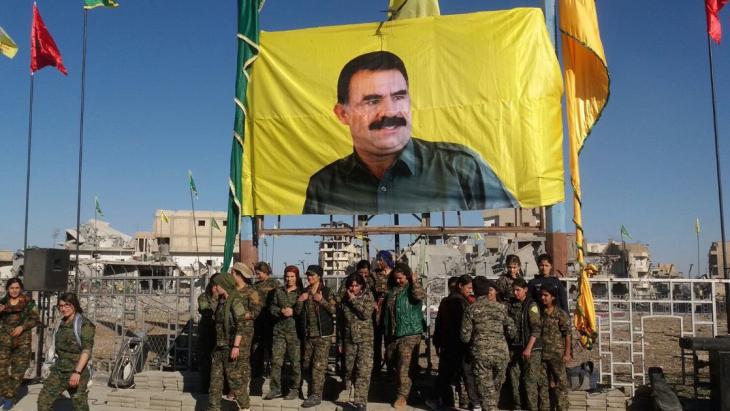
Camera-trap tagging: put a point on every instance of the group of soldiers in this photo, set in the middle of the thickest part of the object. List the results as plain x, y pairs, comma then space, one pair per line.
486, 332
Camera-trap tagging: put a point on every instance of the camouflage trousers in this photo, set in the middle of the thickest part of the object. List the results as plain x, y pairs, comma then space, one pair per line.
237, 372
359, 364
14, 360
555, 368
490, 373
57, 383
403, 348
285, 345
316, 356
528, 377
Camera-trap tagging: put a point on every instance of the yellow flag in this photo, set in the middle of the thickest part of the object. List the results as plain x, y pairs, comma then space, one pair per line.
413, 8
164, 217
585, 312
586, 71
7, 45
697, 226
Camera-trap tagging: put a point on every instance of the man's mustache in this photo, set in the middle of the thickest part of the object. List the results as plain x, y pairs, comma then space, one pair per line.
386, 121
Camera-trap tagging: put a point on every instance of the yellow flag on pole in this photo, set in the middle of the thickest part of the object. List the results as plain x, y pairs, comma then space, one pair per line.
586, 70
7, 46
586, 94
406, 9
164, 218
697, 226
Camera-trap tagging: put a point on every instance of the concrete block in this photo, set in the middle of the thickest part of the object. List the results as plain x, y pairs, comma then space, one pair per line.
596, 403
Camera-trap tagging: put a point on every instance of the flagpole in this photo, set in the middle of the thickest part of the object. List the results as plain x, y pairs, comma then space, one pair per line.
195, 231
27, 172
719, 180
81, 148
699, 273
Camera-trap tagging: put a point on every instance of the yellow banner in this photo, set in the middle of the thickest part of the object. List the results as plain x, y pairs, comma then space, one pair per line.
456, 112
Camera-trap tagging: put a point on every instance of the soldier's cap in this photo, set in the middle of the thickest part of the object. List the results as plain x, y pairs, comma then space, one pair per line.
242, 268
315, 269
226, 281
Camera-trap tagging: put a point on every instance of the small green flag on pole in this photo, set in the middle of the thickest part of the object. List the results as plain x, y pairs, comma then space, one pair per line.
193, 189
98, 207
214, 224
625, 233
7, 46
92, 4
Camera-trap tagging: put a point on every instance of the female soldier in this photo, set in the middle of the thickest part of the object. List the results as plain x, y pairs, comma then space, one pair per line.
358, 306
556, 340
206, 332
74, 340
286, 339
403, 323
513, 271
18, 317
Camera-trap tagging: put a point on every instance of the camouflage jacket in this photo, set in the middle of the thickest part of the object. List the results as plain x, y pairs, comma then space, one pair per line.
67, 347
526, 316
358, 313
504, 288
246, 302
485, 326
284, 299
24, 313
555, 326
317, 318
266, 290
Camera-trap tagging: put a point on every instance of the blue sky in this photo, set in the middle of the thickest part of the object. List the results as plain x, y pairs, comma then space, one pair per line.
159, 101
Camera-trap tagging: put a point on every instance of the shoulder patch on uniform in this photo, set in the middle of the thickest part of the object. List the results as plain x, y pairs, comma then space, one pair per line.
534, 309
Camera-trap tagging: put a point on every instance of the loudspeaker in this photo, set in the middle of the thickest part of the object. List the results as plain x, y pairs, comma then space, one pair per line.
46, 269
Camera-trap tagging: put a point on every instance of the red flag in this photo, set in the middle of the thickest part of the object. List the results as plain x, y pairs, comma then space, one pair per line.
43, 50
714, 28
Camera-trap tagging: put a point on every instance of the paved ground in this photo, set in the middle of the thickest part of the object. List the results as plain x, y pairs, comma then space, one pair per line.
164, 391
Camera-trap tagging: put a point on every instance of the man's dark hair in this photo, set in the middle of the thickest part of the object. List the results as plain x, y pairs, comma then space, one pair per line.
545, 257
374, 61
453, 280
263, 266
464, 280
481, 286
363, 264
519, 282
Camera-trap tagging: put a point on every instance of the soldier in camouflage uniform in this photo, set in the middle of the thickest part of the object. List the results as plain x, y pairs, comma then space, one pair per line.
382, 278
18, 317
483, 327
358, 306
286, 338
525, 370
316, 308
505, 281
403, 323
238, 306
205, 345
263, 336
70, 372
556, 340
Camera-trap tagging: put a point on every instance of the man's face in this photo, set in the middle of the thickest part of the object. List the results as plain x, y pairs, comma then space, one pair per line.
378, 112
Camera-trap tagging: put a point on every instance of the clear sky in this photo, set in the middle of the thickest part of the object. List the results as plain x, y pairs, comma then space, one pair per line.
159, 101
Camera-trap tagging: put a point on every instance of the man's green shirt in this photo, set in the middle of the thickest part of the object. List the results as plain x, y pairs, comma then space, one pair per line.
427, 176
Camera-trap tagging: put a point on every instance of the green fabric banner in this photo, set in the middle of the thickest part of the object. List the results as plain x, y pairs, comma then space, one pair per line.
248, 50
92, 4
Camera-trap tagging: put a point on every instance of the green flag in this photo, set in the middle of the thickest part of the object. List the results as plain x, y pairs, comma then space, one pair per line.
8, 48
625, 233
98, 207
193, 189
92, 4
214, 224
248, 50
